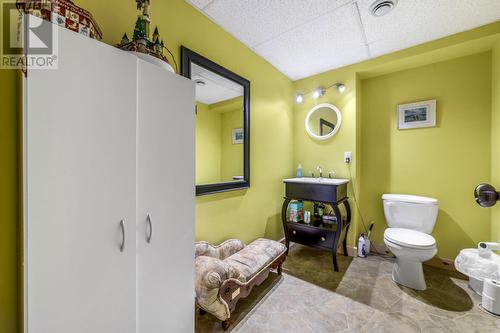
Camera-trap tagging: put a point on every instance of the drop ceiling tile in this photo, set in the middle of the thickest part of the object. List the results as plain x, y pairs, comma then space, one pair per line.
304, 37
256, 21
332, 41
416, 22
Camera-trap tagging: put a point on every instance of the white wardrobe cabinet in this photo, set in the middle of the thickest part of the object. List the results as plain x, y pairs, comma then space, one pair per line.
107, 140
165, 193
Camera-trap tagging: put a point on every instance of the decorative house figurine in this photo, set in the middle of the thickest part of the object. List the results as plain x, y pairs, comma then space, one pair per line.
63, 13
141, 41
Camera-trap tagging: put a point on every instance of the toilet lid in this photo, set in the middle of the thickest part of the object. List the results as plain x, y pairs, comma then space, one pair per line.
410, 198
409, 238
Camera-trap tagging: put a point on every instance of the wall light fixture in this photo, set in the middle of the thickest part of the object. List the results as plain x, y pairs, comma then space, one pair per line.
320, 92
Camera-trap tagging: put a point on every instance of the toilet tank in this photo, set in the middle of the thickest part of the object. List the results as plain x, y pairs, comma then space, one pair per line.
410, 212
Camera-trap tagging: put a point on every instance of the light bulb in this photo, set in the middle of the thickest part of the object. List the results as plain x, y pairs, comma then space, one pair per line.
299, 98
341, 88
318, 93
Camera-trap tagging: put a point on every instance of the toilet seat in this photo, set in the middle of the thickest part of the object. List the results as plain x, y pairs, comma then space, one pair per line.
409, 238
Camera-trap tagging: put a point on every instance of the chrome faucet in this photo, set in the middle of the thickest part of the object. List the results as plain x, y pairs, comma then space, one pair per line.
330, 174
318, 168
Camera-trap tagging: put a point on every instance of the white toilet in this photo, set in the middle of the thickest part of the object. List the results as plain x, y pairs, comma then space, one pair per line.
411, 220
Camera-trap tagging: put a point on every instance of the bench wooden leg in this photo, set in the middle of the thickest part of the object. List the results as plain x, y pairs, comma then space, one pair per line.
280, 268
226, 324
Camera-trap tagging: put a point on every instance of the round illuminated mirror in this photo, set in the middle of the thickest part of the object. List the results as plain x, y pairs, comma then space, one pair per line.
323, 121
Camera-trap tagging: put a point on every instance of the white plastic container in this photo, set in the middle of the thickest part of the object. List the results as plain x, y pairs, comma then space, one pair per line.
491, 296
478, 267
362, 246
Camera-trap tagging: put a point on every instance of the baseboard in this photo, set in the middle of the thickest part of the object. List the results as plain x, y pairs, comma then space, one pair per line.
352, 251
443, 263
438, 262
380, 249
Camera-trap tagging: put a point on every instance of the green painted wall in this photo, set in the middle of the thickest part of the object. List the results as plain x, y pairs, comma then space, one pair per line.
8, 202
495, 140
445, 162
231, 154
217, 158
328, 154
354, 107
241, 214
245, 214
278, 139
230, 113
208, 145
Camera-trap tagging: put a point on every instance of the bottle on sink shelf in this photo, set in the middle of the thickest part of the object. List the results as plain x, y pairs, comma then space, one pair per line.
299, 171
319, 209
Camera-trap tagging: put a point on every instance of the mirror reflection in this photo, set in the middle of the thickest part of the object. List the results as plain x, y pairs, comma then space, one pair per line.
323, 121
219, 127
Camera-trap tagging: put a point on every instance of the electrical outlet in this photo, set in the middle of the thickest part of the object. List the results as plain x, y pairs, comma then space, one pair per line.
347, 157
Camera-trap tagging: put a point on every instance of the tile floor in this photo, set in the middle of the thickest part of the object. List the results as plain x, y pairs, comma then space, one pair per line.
311, 298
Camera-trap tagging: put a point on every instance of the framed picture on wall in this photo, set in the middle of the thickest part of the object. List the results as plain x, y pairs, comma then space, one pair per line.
237, 136
416, 115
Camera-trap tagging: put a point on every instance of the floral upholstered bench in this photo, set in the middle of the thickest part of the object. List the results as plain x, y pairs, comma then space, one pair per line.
228, 272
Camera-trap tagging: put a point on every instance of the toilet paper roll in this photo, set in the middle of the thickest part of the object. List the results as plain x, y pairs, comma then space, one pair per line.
491, 296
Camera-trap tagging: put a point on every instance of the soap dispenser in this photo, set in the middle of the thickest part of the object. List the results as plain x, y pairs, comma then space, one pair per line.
299, 171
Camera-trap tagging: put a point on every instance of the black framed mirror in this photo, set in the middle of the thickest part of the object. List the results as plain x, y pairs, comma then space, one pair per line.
222, 125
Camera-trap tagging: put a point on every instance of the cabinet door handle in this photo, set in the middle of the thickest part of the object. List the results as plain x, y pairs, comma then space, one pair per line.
294, 232
150, 224
323, 239
122, 226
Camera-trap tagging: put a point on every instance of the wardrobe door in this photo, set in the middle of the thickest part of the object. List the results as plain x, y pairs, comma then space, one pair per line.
165, 201
79, 191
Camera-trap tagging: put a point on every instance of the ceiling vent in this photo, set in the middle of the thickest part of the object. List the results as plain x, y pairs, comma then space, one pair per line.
382, 7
